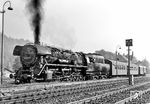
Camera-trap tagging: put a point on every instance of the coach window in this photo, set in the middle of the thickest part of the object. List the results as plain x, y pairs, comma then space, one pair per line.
87, 59
99, 60
117, 67
96, 60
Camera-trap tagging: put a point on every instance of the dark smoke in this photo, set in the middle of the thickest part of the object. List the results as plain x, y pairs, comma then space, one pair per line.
35, 9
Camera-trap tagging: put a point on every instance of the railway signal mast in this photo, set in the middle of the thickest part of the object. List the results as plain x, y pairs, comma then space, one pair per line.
128, 44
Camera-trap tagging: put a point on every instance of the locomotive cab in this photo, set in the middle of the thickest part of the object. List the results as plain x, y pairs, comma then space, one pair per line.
97, 68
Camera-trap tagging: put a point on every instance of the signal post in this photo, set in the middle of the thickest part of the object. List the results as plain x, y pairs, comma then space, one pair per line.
128, 44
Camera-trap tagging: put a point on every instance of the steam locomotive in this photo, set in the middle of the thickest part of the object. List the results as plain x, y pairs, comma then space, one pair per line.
51, 63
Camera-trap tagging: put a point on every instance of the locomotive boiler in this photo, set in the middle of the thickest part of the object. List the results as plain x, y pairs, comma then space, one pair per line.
46, 63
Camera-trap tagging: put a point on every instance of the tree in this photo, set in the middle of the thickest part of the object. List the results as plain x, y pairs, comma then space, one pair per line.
146, 63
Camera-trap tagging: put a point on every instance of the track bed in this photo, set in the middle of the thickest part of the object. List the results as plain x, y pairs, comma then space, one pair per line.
62, 93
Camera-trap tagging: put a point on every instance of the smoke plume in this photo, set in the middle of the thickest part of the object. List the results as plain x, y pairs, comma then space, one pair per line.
35, 9
58, 32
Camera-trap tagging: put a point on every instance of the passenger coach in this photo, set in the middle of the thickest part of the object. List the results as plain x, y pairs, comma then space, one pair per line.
120, 68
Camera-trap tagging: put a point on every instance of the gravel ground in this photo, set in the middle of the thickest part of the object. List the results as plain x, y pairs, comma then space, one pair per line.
144, 99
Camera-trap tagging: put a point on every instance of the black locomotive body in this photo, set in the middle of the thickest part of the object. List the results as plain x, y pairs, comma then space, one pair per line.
45, 62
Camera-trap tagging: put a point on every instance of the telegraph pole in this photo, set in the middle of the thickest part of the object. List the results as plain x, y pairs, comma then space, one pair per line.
118, 47
128, 70
128, 44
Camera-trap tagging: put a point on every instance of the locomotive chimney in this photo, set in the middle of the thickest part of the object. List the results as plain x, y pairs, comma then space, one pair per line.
35, 10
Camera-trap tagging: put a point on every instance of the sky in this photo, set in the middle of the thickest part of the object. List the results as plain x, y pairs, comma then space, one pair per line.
85, 25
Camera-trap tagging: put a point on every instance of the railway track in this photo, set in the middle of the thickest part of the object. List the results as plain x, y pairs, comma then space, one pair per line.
68, 93
88, 93
113, 97
12, 88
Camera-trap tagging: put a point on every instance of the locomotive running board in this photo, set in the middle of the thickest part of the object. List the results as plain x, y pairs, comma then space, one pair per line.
66, 66
62, 66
